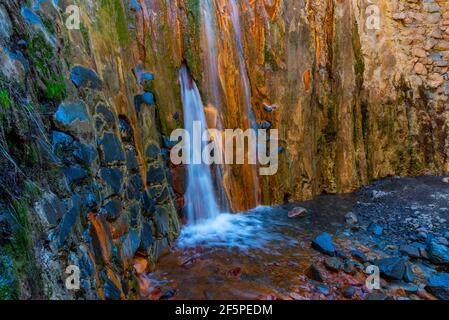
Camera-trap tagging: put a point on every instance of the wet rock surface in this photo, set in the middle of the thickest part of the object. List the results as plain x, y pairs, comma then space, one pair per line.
289, 258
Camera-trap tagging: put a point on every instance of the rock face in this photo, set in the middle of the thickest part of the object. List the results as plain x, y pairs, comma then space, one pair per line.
85, 115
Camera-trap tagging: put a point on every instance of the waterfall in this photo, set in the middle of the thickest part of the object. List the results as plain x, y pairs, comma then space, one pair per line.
235, 20
200, 197
212, 87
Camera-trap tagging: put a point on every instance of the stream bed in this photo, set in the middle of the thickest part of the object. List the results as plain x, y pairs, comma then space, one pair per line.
394, 224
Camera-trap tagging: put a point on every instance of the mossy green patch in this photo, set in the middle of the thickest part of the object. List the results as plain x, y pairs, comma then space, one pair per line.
5, 99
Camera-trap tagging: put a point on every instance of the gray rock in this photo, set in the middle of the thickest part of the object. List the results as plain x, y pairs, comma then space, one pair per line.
297, 212
351, 218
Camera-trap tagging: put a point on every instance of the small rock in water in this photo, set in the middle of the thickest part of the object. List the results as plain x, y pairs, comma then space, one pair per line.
314, 273
438, 253
445, 180
323, 289
349, 292
438, 285
410, 250
297, 212
377, 296
333, 264
375, 229
168, 295
324, 244
351, 218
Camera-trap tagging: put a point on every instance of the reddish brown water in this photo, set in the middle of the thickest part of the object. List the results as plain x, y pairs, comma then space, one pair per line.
263, 254
268, 262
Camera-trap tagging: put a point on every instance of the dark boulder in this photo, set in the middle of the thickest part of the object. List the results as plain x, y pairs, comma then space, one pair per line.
324, 244
438, 253
85, 154
162, 221
438, 285
147, 204
113, 177
315, 273
333, 264
107, 115
70, 114
110, 291
375, 229
152, 152
130, 244
410, 250
85, 78
125, 129
146, 237
111, 148
68, 221
392, 268
155, 175
75, 175
131, 160
360, 256
112, 209
349, 292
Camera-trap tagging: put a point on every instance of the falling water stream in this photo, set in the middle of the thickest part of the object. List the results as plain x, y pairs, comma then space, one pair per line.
235, 19
201, 203
212, 87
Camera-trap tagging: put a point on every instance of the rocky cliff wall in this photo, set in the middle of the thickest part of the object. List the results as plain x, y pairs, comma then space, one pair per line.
85, 113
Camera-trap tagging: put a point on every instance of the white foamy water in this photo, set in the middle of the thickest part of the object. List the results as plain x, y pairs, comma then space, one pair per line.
243, 231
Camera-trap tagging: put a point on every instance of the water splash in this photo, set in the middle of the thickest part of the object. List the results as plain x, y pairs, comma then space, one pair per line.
201, 203
243, 231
